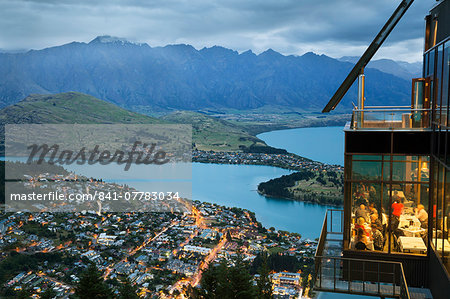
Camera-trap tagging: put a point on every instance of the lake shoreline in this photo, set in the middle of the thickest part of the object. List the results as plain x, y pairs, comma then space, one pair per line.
298, 164
297, 200
288, 161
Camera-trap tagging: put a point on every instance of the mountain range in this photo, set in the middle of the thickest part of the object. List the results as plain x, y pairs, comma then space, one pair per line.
136, 76
400, 69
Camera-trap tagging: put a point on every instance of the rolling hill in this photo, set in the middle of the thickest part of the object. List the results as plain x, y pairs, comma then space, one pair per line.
69, 107
209, 133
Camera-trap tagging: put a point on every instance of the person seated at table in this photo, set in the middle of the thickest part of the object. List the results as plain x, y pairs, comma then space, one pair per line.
362, 212
372, 209
384, 220
377, 235
375, 222
360, 225
422, 215
361, 240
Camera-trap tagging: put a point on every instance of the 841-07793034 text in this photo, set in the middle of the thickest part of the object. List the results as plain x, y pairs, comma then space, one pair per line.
97, 195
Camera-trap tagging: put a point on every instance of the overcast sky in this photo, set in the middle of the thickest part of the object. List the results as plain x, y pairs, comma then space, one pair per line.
332, 27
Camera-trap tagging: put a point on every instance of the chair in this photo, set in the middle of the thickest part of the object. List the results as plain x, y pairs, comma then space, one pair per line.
396, 245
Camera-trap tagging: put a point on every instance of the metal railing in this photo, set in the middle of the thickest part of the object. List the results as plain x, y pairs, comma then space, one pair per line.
354, 276
336, 224
361, 277
331, 226
392, 118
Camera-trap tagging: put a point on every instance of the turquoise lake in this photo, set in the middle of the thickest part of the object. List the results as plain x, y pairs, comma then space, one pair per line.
235, 185
324, 144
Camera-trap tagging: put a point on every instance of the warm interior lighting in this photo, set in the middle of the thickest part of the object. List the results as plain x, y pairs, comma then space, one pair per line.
435, 32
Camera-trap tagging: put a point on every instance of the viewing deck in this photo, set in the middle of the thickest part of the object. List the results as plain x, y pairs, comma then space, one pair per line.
381, 118
336, 274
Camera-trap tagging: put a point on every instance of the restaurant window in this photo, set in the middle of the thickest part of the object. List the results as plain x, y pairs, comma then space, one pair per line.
441, 210
438, 205
445, 253
447, 156
389, 203
368, 225
430, 70
438, 82
366, 168
410, 168
442, 142
445, 80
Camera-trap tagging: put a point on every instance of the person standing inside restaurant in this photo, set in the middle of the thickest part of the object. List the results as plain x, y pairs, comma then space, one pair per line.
397, 210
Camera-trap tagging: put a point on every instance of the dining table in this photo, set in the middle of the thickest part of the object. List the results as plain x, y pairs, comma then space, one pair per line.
412, 244
413, 231
407, 220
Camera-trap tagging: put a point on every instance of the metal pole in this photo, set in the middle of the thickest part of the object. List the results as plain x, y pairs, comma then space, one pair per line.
364, 278
368, 54
379, 278
320, 270
331, 221
361, 80
393, 279
334, 271
349, 276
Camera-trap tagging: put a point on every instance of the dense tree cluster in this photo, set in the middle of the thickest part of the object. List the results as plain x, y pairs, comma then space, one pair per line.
225, 281
17, 262
92, 285
279, 262
276, 262
280, 187
35, 228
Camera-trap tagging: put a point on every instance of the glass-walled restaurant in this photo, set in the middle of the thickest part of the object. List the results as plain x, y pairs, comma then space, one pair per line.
389, 202
436, 64
400, 203
396, 183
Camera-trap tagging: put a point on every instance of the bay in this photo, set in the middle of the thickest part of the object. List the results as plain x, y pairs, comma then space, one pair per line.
235, 186
323, 144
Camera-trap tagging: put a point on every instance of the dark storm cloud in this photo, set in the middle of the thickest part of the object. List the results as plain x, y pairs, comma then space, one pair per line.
333, 27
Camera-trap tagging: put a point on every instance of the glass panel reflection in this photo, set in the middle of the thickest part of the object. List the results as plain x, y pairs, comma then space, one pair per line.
389, 210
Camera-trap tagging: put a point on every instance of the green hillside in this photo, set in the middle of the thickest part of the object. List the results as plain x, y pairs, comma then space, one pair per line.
69, 107
210, 133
